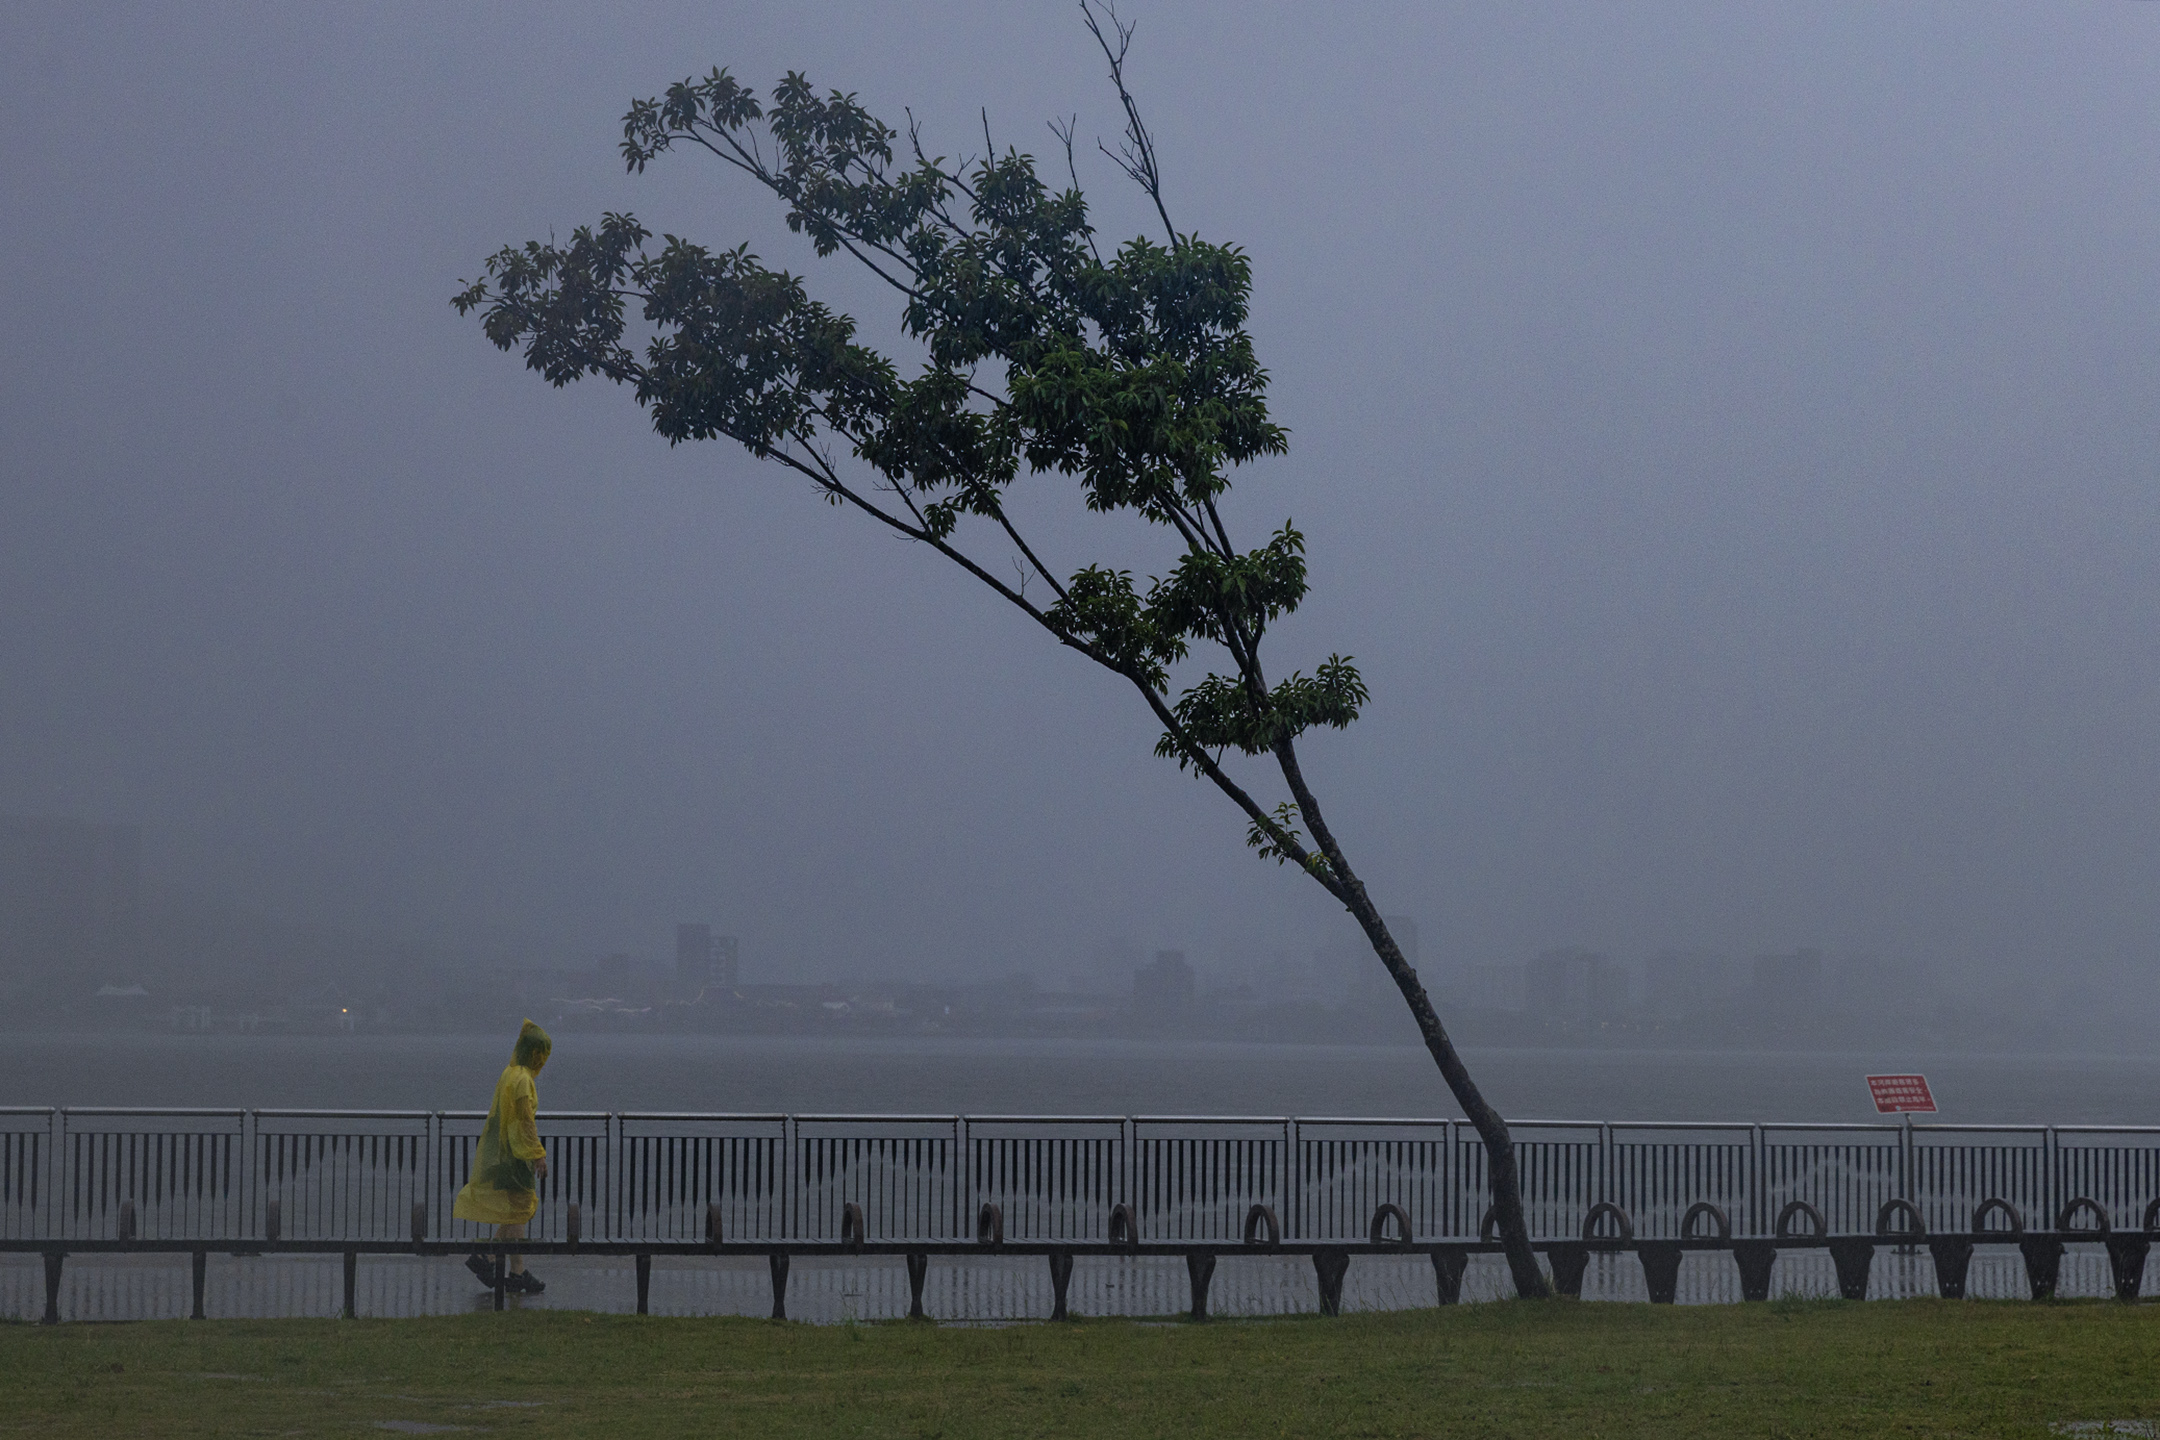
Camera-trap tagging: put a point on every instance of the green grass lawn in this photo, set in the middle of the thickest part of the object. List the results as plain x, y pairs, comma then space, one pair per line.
1559, 1369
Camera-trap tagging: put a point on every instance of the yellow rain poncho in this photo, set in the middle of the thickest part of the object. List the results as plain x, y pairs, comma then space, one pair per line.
502, 1190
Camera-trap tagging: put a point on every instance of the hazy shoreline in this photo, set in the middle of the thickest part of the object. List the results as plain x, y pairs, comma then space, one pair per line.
946, 1075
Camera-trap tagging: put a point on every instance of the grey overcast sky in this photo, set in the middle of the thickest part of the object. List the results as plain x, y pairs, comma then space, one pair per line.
1725, 434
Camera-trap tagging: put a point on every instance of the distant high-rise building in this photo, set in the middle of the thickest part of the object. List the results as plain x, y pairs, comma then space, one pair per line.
70, 902
1679, 983
1899, 986
1164, 984
704, 959
1789, 982
1575, 985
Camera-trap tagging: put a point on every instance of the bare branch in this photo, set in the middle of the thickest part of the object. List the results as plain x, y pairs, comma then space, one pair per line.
1064, 134
1040, 568
1137, 158
937, 167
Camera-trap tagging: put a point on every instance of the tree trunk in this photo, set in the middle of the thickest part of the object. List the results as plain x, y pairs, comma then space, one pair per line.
1499, 1145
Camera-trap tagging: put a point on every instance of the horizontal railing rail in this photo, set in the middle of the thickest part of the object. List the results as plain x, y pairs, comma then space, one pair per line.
1606, 1231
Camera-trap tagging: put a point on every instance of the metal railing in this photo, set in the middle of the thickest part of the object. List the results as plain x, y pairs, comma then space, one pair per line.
353, 1174
84, 1179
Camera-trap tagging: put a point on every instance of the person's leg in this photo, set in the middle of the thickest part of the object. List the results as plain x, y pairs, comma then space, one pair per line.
512, 1232
520, 1280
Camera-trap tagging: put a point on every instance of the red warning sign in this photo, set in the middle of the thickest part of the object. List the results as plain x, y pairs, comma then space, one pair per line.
1897, 1094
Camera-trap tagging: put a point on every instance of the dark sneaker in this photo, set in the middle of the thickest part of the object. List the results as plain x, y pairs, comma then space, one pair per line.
523, 1282
483, 1269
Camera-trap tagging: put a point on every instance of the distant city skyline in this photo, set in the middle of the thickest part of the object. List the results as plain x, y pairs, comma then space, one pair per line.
71, 893
79, 947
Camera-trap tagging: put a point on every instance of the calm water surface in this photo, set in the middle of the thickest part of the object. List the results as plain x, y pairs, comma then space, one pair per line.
1070, 1077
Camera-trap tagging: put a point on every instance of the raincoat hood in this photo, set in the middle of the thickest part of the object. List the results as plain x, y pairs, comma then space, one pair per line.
533, 1047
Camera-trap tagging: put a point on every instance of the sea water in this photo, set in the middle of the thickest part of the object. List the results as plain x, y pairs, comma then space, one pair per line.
952, 1076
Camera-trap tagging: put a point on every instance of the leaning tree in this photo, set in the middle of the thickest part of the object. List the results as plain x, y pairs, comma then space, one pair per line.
1130, 372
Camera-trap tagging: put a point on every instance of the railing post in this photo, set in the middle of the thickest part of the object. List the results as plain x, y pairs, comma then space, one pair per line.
49, 1202
618, 1187
246, 1210
964, 1185
1905, 1155
1293, 1178
1199, 1271
1128, 1143
1758, 1180
430, 1147
1458, 1181
1450, 1181
1448, 1267
1061, 1266
2051, 1182
64, 1199
1329, 1267
777, 1263
54, 1259
791, 1193
918, 1270
604, 1204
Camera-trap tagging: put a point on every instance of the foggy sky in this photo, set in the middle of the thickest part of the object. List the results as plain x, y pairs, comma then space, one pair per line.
1725, 437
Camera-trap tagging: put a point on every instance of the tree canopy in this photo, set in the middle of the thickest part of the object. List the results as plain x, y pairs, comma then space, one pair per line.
1131, 372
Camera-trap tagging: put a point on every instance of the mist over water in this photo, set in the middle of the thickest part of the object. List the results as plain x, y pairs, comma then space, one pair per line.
804, 1075
1724, 437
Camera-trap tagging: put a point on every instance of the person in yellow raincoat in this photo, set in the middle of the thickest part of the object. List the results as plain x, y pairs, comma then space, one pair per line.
510, 1162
